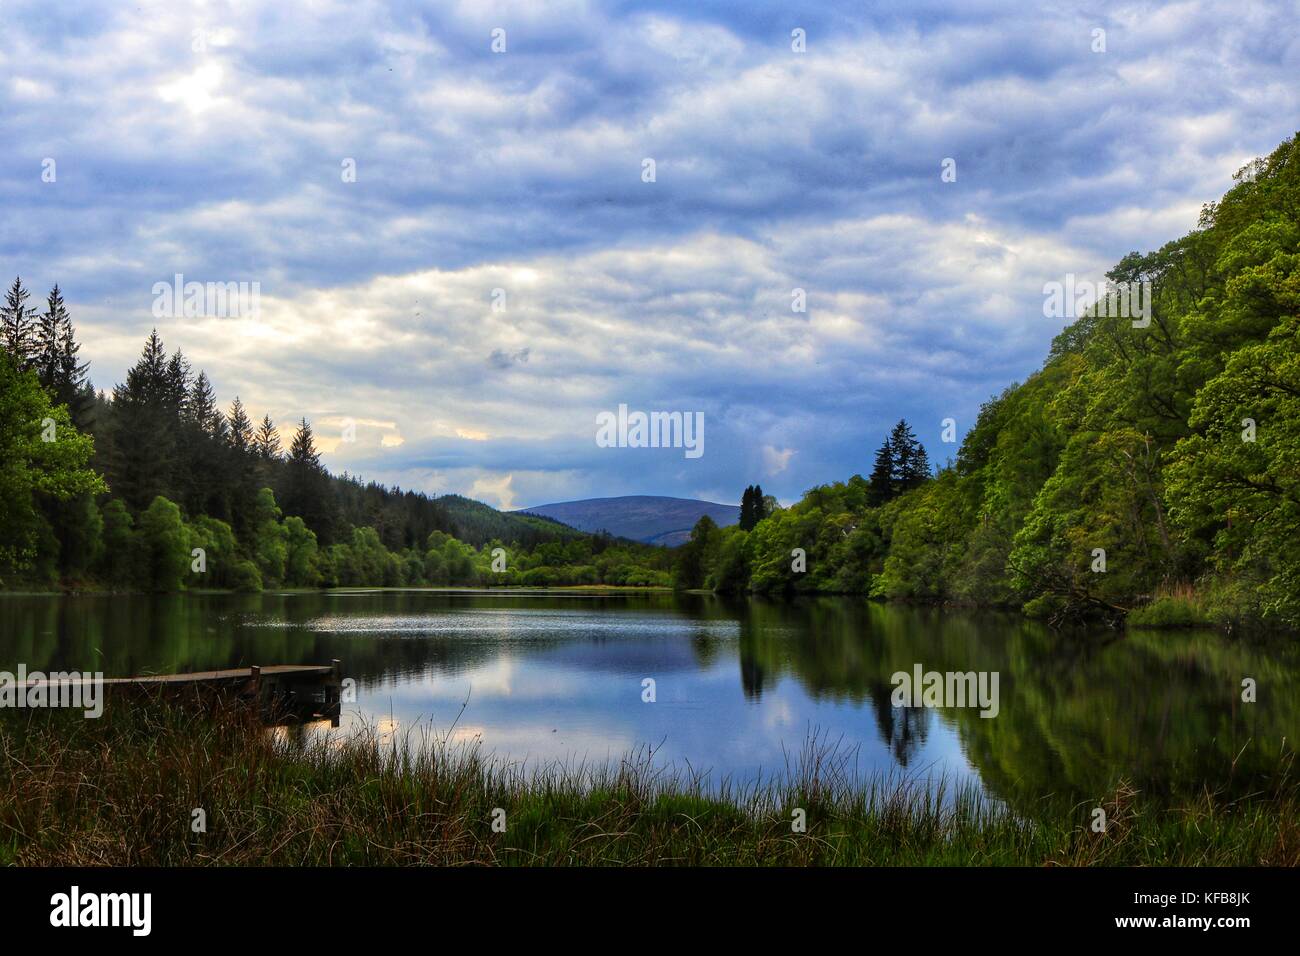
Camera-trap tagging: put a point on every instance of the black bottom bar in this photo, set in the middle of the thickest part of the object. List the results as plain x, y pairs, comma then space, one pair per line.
219, 905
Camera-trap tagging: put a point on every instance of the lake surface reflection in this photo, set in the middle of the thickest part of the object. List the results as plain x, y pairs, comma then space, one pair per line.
740, 684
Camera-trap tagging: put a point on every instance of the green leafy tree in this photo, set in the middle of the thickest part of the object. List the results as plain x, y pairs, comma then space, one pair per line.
164, 553
220, 553
120, 550
43, 458
271, 541
301, 554
694, 558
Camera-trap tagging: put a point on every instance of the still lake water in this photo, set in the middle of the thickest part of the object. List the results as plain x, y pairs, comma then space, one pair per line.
741, 684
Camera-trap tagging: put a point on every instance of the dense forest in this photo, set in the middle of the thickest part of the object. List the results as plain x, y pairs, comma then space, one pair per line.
1147, 472
156, 488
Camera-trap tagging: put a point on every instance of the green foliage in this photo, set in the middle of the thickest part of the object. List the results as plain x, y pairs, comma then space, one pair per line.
220, 553
1235, 482
691, 568
245, 576
119, 544
1169, 611
753, 507
301, 553
731, 570
163, 547
43, 459
271, 541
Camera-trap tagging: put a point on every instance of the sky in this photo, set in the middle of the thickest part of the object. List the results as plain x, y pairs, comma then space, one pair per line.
460, 262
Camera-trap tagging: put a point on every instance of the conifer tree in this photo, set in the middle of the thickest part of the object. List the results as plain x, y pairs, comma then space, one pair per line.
309, 493
179, 382
747, 519
267, 440
201, 410
144, 438
302, 451
911, 464
55, 357
47, 332
244, 468
17, 325
881, 488
241, 436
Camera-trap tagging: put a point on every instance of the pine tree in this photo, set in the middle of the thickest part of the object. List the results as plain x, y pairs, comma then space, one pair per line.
201, 410
72, 387
147, 381
17, 321
881, 488
244, 485
747, 519
45, 340
911, 464
241, 429
302, 452
901, 441
206, 479
55, 359
267, 440
308, 490
144, 433
919, 470
179, 383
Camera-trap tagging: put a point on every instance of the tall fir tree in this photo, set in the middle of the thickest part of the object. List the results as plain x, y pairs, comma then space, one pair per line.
144, 435
747, 508
881, 488
18, 325
245, 470
267, 440
207, 476
45, 340
180, 380
201, 408
241, 436
73, 387
55, 357
308, 491
918, 470
302, 451
911, 464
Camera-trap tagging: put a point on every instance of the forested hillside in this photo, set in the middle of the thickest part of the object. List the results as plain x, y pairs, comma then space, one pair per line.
156, 488
1152, 470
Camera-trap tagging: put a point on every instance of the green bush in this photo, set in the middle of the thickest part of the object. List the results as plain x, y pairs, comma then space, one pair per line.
1169, 612
246, 577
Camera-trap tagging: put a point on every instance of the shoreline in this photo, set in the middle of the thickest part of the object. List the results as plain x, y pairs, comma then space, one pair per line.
1174, 622
71, 795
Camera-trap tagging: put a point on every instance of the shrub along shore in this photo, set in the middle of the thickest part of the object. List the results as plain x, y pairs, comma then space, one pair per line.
124, 790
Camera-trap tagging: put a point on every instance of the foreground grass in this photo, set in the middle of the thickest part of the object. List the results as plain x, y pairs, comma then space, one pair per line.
121, 790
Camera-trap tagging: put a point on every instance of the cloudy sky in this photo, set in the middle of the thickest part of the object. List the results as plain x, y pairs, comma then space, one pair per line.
218, 140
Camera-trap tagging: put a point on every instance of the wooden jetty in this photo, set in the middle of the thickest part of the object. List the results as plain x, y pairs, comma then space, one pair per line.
284, 693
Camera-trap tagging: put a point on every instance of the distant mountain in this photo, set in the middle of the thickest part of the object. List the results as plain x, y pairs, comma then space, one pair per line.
653, 519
